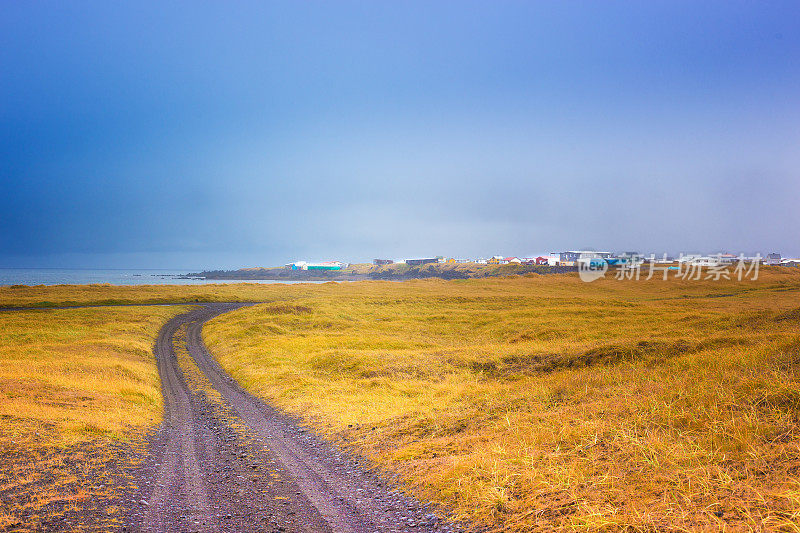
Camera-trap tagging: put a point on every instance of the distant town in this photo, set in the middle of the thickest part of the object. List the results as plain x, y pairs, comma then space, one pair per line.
497, 265
571, 258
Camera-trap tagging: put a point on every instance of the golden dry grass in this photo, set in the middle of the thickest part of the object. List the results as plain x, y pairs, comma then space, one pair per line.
105, 294
66, 375
543, 402
73, 383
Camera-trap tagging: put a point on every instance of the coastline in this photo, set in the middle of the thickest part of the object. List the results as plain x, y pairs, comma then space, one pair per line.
394, 272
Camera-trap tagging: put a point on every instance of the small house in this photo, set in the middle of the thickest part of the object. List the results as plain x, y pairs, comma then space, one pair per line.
573, 257
420, 262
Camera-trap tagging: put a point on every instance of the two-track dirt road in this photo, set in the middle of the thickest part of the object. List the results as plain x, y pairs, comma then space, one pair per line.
225, 461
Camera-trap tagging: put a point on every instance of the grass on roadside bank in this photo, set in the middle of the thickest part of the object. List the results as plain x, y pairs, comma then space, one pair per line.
72, 383
105, 294
68, 375
543, 402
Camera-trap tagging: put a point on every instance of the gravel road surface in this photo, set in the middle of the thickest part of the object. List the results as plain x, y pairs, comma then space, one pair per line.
226, 461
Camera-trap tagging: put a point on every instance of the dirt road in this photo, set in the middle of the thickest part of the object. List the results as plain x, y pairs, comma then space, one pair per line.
225, 461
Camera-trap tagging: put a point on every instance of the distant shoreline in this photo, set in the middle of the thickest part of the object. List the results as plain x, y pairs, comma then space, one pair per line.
394, 272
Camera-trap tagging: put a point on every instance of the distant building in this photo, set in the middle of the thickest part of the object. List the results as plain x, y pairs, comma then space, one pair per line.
572, 257
773, 259
701, 260
790, 262
325, 265
381, 262
424, 261
513, 260
663, 260
552, 260
625, 259
629, 257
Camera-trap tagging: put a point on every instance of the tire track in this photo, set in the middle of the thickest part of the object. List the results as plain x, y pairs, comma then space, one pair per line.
226, 461
180, 458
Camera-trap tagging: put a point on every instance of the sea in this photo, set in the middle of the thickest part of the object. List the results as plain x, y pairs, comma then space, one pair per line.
81, 276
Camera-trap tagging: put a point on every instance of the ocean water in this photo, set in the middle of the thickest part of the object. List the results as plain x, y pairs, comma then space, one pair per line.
57, 276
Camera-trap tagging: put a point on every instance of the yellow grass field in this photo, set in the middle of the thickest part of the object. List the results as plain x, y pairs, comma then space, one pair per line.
522, 403
72, 382
541, 402
104, 294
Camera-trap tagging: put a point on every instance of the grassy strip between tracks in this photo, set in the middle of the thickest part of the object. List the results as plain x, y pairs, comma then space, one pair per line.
72, 382
534, 402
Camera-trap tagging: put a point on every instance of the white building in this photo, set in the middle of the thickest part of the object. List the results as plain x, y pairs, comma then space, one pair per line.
572, 257
700, 260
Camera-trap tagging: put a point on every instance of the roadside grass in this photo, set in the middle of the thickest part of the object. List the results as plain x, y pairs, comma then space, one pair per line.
73, 383
68, 375
106, 294
542, 402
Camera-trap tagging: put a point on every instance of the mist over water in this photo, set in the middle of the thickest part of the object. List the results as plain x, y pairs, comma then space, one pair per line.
58, 276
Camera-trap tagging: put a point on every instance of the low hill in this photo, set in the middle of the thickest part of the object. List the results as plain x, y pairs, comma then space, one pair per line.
393, 272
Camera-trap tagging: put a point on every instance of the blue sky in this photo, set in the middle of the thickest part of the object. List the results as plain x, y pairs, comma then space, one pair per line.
227, 134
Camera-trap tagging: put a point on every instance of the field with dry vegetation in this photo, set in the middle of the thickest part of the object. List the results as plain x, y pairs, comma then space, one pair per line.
77, 389
541, 402
521, 403
105, 294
